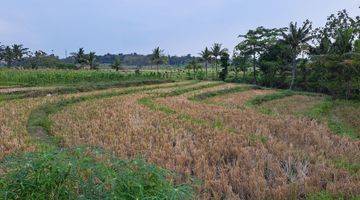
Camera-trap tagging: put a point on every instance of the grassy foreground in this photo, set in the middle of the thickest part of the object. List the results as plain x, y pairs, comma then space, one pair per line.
86, 173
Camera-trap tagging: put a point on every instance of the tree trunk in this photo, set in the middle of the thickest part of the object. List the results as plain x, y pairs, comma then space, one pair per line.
216, 67
293, 73
254, 68
206, 69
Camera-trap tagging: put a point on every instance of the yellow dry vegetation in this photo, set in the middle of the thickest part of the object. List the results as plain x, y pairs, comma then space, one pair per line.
293, 105
238, 100
237, 153
13, 121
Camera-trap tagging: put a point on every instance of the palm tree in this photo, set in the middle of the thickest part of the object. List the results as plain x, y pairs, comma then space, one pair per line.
344, 41
157, 57
217, 51
8, 56
19, 51
91, 58
297, 38
1, 52
206, 56
80, 56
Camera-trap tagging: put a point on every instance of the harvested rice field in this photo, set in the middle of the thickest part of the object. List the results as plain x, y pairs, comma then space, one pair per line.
211, 138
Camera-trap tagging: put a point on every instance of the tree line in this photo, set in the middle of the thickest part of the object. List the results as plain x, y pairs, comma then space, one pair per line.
324, 59
18, 56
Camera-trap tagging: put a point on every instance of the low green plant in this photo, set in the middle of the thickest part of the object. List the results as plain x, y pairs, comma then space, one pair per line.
86, 173
353, 168
269, 97
148, 102
68, 77
324, 112
211, 94
78, 88
186, 90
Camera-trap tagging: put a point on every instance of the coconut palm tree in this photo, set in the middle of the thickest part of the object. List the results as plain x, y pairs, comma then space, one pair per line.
8, 56
80, 56
206, 56
19, 51
216, 52
157, 57
91, 58
297, 38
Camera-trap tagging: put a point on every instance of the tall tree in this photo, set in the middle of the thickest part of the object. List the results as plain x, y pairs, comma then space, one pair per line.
157, 57
2, 48
216, 51
116, 64
8, 56
91, 60
36, 59
224, 61
255, 43
206, 56
80, 57
297, 38
19, 51
240, 63
273, 64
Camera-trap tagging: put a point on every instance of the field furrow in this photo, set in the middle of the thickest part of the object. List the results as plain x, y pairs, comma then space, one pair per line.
237, 153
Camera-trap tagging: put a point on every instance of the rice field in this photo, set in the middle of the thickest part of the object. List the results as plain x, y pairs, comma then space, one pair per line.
219, 140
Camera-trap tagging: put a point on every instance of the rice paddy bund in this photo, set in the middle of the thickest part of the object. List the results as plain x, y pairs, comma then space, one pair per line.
215, 140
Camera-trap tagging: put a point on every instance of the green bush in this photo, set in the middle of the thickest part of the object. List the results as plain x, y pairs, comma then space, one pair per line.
85, 173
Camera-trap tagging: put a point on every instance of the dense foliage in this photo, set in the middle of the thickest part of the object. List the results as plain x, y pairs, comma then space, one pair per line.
320, 60
85, 173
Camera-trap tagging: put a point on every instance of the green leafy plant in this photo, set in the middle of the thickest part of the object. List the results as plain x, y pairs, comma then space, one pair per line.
86, 173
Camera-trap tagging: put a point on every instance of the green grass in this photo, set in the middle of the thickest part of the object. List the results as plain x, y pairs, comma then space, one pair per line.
269, 97
324, 112
342, 163
254, 138
211, 94
10, 77
78, 89
324, 195
181, 91
149, 102
277, 95
86, 173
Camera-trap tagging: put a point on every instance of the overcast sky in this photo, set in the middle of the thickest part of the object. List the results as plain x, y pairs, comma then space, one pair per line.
180, 27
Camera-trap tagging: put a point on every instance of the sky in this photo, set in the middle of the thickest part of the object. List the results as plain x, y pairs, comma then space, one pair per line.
126, 26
